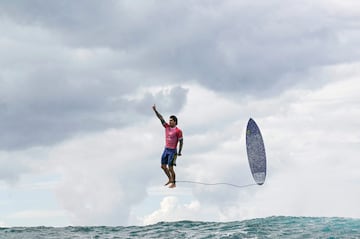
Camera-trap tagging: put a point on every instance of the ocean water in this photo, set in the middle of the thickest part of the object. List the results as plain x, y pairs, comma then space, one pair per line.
271, 227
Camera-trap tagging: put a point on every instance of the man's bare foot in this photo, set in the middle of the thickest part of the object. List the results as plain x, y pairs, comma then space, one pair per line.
167, 183
173, 185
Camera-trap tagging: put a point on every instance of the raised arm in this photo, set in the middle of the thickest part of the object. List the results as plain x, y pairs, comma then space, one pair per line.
159, 115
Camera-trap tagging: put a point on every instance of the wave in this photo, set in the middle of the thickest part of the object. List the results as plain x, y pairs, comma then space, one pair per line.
270, 227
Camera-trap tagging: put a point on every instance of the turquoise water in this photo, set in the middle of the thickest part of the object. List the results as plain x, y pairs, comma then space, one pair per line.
271, 227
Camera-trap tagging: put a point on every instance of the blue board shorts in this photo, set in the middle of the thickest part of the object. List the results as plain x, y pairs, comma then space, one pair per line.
169, 157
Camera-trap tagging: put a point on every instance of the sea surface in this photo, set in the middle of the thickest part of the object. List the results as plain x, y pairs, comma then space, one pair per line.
270, 227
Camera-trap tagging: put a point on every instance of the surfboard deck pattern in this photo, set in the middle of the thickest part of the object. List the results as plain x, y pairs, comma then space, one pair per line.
256, 152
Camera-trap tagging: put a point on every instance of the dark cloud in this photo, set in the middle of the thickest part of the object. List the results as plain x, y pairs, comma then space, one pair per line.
68, 65
53, 114
46, 103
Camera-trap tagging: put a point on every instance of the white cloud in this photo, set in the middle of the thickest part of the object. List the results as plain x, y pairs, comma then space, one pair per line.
311, 149
172, 210
312, 152
104, 175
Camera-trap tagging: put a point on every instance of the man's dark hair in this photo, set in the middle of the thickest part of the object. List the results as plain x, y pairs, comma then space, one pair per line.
173, 117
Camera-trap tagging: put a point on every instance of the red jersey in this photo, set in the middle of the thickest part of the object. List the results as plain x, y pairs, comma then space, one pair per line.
172, 136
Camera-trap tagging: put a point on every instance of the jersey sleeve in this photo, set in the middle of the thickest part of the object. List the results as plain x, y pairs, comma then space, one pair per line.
179, 134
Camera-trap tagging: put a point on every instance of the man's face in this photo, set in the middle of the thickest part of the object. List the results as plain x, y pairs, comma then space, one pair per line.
172, 122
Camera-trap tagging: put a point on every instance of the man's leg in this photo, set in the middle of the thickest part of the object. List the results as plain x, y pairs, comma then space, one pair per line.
166, 170
164, 162
172, 177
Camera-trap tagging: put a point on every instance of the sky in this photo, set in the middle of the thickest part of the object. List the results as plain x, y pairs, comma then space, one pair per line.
80, 144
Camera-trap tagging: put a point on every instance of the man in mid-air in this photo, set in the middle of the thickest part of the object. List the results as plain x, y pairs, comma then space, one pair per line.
173, 136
